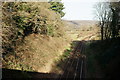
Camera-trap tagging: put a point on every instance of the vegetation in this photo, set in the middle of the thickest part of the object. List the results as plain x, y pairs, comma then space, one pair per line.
21, 20
25, 18
103, 58
108, 15
103, 54
57, 7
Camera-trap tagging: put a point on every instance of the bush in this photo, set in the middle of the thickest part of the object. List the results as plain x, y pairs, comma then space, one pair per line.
57, 7
21, 19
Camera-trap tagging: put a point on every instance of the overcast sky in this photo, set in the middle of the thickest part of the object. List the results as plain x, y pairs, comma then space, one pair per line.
79, 9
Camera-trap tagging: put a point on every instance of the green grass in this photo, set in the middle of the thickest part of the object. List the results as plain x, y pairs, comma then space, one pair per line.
67, 52
18, 66
63, 58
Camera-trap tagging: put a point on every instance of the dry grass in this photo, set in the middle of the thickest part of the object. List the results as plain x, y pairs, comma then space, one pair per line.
77, 30
38, 53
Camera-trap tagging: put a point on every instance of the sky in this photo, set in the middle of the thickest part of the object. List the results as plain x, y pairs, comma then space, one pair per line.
79, 9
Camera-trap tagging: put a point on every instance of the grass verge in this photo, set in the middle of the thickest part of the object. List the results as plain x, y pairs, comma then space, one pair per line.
102, 58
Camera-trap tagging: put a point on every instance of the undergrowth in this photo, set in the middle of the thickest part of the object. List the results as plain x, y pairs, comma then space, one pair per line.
19, 21
106, 54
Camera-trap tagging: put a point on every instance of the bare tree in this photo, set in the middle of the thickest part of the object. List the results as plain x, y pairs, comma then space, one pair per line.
108, 15
102, 11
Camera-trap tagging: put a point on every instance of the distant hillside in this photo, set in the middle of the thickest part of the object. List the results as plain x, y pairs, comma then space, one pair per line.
81, 23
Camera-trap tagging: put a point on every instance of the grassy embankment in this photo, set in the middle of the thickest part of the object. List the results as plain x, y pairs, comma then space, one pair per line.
33, 36
103, 58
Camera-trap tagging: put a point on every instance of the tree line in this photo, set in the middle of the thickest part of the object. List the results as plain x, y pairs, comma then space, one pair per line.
108, 14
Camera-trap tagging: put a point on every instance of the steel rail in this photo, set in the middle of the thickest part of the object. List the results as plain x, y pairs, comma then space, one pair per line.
78, 60
80, 47
79, 44
67, 62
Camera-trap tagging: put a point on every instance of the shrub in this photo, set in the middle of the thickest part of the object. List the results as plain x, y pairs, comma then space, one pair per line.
57, 7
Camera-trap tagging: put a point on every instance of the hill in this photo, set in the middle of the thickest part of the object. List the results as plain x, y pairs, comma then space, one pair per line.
81, 23
33, 36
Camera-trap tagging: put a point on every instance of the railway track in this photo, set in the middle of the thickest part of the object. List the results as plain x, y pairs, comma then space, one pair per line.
75, 67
